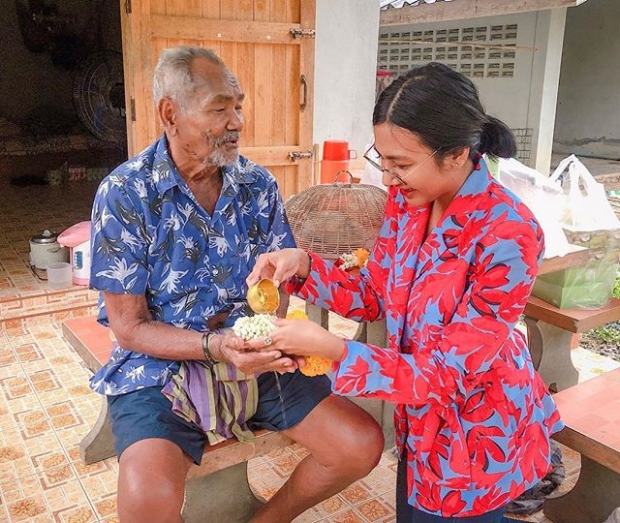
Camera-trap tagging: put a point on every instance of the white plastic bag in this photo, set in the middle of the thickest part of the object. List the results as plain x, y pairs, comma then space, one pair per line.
543, 197
589, 221
614, 517
587, 207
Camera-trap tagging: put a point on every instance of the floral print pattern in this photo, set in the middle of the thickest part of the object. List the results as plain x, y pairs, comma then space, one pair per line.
472, 412
150, 236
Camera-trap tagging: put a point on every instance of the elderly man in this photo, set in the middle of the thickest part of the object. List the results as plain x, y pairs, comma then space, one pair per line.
176, 231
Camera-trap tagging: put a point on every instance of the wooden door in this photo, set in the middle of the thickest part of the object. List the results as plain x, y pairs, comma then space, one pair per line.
268, 44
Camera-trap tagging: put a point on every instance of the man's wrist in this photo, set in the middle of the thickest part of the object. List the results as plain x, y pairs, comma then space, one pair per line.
206, 349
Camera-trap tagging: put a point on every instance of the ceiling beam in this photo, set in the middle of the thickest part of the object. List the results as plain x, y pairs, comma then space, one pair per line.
463, 9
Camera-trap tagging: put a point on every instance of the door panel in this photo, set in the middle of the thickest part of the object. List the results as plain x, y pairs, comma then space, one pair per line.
254, 40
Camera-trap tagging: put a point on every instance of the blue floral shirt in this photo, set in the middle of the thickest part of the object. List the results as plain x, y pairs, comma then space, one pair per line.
150, 236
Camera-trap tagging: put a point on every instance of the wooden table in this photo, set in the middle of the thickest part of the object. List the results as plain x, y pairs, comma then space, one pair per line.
576, 257
550, 330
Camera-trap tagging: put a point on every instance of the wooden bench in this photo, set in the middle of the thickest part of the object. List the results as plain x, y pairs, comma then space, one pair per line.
591, 413
550, 331
224, 466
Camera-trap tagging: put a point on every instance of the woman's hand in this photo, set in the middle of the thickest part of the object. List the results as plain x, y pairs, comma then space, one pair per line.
300, 338
279, 266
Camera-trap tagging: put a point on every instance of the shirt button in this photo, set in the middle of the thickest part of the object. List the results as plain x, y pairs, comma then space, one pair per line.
215, 271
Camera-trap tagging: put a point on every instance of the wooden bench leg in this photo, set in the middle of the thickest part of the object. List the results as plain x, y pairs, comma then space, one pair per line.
318, 315
367, 332
98, 444
550, 349
595, 495
224, 496
382, 411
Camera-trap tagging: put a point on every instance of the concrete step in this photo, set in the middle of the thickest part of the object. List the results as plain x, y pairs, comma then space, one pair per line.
60, 304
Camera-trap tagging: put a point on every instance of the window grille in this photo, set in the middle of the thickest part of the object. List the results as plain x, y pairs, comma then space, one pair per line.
489, 57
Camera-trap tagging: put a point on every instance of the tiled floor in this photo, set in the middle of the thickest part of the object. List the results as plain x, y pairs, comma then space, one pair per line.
28, 211
46, 407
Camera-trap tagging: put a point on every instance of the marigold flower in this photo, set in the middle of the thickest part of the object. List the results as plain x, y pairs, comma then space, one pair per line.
315, 365
362, 256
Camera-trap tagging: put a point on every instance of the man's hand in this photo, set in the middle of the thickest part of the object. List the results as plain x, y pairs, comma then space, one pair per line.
231, 348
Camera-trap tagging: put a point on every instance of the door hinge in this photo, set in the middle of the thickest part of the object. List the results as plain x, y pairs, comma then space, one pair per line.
302, 32
128, 7
293, 156
132, 109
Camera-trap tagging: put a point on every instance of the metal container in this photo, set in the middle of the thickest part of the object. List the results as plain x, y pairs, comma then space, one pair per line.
45, 249
264, 297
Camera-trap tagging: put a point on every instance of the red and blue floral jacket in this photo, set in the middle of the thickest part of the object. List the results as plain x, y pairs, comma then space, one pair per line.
473, 414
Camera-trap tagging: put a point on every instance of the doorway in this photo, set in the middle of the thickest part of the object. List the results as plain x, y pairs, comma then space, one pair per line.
62, 123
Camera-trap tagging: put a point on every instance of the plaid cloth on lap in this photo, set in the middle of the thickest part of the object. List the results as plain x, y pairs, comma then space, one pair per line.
218, 400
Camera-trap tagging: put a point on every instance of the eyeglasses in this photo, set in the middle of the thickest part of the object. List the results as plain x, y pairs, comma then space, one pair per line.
400, 177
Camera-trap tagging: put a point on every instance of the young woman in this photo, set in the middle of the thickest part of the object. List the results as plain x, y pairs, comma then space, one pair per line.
451, 272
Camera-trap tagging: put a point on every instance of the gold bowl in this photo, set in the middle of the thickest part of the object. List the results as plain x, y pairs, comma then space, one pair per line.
264, 297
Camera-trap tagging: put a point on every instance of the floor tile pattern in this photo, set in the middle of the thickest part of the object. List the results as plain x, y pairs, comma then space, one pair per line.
27, 211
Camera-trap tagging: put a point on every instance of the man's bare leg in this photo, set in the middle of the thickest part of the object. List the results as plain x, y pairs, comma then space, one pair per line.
151, 482
345, 444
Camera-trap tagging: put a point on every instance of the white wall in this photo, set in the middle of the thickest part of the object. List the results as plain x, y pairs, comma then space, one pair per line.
527, 100
588, 116
345, 69
544, 86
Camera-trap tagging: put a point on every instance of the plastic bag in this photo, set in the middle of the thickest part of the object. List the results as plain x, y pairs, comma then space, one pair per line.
372, 175
588, 220
587, 207
543, 197
614, 517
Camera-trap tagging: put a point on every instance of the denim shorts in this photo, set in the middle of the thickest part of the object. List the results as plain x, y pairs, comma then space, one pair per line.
147, 413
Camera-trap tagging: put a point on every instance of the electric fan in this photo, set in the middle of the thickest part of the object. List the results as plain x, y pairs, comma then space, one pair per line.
99, 96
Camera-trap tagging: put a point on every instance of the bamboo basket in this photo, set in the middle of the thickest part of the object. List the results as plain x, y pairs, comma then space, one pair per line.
332, 219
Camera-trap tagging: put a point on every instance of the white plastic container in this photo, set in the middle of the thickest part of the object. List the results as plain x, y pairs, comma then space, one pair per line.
77, 238
59, 275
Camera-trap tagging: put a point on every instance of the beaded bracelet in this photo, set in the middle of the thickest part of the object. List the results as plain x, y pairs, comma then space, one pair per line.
211, 361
